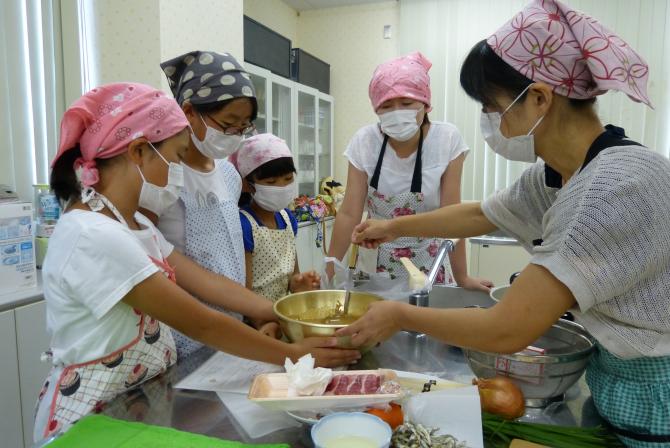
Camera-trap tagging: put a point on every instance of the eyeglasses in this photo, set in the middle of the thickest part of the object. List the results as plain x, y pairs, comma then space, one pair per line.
247, 129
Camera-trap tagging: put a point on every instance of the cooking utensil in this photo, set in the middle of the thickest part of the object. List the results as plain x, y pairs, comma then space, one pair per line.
543, 378
295, 310
339, 314
353, 259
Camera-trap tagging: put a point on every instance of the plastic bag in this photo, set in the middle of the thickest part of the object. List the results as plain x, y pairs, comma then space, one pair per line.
375, 283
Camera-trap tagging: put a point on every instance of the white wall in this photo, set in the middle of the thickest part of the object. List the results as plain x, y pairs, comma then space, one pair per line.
351, 40
132, 37
200, 25
126, 37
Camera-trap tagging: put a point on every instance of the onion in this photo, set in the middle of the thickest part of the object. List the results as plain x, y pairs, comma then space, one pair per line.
500, 396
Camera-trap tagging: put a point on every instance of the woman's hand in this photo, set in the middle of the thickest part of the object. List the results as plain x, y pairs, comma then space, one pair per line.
325, 352
477, 284
304, 281
271, 329
373, 232
381, 321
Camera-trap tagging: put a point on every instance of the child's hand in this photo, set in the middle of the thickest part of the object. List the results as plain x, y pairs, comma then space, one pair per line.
271, 329
305, 281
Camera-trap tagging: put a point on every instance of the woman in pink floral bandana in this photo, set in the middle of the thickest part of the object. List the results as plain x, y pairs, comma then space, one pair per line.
594, 212
404, 165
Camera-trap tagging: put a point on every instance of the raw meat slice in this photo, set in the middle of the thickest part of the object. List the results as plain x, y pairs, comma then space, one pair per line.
354, 384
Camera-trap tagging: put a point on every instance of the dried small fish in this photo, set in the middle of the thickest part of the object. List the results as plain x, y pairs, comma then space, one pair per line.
415, 435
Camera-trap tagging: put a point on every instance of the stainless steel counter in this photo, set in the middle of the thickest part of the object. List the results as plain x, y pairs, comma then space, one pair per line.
202, 412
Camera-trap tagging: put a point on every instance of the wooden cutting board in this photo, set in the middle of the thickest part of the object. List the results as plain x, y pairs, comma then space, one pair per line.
518, 443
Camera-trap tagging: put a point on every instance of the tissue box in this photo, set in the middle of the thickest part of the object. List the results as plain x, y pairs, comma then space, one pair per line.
17, 251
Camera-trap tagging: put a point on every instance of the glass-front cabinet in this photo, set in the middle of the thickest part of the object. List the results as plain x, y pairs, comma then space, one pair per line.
282, 110
324, 144
307, 164
260, 83
303, 117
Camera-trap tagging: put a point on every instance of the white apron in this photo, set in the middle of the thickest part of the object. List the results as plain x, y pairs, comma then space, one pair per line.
213, 240
73, 391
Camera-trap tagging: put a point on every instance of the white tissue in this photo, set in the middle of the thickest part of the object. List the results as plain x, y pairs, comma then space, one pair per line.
304, 379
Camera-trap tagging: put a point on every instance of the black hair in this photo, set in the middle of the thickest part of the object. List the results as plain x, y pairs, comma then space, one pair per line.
63, 180
219, 105
484, 75
274, 168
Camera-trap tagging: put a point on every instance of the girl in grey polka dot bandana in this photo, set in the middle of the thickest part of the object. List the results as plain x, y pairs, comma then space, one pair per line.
206, 77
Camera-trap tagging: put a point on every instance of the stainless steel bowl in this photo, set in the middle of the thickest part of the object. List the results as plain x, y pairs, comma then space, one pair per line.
542, 378
498, 292
291, 307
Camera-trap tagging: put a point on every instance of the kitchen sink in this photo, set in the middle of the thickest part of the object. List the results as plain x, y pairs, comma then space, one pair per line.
455, 297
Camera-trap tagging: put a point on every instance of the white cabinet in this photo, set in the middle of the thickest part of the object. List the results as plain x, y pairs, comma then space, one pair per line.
31, 341
497, 262
310, 256
11, 427
303, 117
303, 246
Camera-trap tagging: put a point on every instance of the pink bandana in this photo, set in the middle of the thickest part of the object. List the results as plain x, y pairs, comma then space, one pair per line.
105, 120
402, 77
550, 42
257, 151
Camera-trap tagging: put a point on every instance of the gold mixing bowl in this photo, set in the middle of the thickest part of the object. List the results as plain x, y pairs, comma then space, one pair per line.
293, 309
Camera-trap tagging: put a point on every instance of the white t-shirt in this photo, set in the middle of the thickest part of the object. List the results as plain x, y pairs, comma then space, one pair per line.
442, 144
93, 261
208, 187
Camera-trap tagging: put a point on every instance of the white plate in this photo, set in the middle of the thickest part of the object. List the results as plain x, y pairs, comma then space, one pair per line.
271, 391
310, 417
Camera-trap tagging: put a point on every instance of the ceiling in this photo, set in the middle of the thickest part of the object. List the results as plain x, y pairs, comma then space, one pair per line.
304, 5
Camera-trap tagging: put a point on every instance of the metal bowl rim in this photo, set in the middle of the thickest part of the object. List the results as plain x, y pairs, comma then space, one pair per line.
301, 322
547, 359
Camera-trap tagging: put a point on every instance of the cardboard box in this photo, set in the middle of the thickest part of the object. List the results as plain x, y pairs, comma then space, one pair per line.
17, 250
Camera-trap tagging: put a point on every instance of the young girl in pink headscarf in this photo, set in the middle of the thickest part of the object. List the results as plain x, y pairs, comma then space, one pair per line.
111, 281
403, 165
593, 210
265, 164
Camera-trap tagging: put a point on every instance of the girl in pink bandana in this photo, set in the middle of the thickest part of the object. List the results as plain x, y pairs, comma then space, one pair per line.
593, 210
403, 165
112, 283
268, 227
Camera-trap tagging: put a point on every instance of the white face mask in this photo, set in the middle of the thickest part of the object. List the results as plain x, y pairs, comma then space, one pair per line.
520, 148
274, 199
400, 124
216, 145
158, 199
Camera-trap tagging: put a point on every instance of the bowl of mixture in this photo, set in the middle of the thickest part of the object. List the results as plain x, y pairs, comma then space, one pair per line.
318, 313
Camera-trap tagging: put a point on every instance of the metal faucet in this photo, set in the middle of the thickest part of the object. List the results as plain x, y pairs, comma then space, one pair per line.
421, 298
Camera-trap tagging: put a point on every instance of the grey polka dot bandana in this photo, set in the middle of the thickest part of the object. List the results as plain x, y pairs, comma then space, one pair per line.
205, 77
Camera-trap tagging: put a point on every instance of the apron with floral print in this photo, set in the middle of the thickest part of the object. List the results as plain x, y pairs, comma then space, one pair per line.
421, 251
73, 391
273, 258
